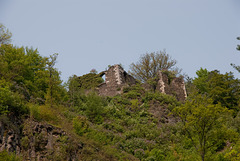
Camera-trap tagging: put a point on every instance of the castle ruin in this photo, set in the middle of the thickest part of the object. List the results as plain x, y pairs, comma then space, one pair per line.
175, 87
116, 79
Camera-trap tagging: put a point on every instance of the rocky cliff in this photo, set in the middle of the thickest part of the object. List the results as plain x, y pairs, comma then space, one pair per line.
37, 141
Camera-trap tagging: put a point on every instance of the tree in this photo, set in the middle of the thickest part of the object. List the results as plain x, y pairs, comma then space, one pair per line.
203, 124
54, 82
237, 67
26, 70
201, 81
221, 88
94, 71
5, 35
73, 90
149, 65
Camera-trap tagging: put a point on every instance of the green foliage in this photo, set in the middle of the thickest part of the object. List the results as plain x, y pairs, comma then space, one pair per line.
201, 81
74, 91
55, 92
25, 142
25, 69
95, 108
204, 124
156, 154
237, 67
10, 102
44, 113
161, 98
30, 75
35, 112
136, 125
150, 64
233, 154
222, 88
80, 125
92, 106
170, 74
134, 104
89, 81
133, 92
132, 95
5, 35
6, 156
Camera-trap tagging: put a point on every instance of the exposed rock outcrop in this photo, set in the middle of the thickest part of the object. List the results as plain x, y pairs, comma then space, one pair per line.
41, 141
37, 141
10, 134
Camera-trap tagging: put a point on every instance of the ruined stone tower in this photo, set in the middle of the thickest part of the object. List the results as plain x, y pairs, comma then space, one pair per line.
175, 87
115, 79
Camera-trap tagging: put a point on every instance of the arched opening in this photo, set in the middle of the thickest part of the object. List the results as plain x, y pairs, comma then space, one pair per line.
104, 78
102, 74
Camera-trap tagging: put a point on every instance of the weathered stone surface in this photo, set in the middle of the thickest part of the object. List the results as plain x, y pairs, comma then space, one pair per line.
46, 141
37, 141
115, 79
175, 87
9, 135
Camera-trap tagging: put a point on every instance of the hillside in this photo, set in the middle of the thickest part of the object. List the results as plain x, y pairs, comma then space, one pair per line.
119, 118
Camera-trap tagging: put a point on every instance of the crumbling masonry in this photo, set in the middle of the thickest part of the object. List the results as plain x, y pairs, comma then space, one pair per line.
116, 79
175, 87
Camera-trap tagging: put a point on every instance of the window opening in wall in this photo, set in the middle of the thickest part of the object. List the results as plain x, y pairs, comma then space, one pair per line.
104, 78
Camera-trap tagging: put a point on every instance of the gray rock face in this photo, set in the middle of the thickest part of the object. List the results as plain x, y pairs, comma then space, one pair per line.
38, 141
9, 135
42, 141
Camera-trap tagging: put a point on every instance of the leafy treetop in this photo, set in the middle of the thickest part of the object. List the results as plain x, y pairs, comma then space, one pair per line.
150, 64
5, 35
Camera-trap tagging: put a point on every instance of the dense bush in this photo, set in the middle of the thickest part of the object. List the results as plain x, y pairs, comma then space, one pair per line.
6, 156
10, 102
80, 125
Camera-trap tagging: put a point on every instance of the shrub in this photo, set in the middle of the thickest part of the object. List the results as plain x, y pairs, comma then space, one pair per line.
121, 101
134, 104
90, 80
48, 114
35, 112
6, 156
161, 98
80, 125
95, 108
155, 154
25, 142
10, 101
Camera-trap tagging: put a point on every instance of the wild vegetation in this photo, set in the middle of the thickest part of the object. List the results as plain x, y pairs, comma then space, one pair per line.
136, 125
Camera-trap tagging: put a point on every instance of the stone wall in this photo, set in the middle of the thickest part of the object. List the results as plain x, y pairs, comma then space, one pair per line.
174, 86
115, 79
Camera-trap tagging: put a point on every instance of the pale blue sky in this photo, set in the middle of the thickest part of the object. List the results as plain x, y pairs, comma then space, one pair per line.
96, 33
